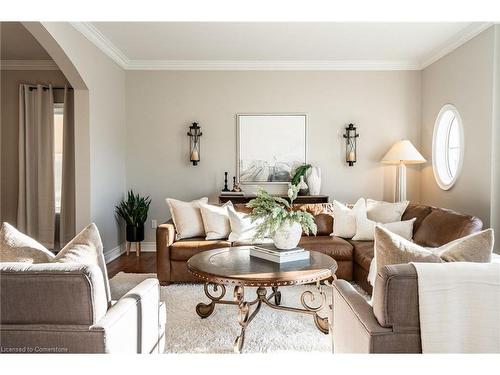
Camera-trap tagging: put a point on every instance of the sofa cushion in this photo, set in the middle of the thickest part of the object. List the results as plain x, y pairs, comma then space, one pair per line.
417, 211
18, 247
182, 250
363, 253
442, 226
323, 216
336, 247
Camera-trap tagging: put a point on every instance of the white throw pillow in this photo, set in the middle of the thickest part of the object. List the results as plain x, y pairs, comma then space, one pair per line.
365, 228
187, 217
216, 220
18, 247
86, 248
242, 227
385, 212
344, 218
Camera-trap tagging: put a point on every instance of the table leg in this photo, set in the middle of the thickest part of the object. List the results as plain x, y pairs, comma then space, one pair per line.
205, 310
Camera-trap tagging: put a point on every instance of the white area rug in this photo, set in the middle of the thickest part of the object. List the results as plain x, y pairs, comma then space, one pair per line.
270, 331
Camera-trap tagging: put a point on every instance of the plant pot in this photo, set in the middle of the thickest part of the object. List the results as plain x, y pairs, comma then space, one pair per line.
288, 236
135, 234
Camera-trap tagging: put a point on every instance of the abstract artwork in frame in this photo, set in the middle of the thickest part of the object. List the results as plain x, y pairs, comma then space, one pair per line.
270, 147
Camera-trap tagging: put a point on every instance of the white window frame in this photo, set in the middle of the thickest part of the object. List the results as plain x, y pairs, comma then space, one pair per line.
443, 185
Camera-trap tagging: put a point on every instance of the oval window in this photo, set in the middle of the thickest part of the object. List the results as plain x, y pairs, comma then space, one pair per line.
447, 147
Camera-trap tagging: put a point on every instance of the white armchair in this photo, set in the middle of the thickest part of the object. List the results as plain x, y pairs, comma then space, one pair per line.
63, 308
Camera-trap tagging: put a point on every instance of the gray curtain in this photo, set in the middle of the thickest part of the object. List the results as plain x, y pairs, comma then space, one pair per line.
67, 219
36, 201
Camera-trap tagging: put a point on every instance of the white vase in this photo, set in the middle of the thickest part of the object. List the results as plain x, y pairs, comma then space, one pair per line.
314, 181
288, 236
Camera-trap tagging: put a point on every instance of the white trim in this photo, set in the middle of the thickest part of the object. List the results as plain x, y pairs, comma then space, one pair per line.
28, 65
114, 253
439, 181
111, 50
456, 41
271, 65
146, 247
101, 42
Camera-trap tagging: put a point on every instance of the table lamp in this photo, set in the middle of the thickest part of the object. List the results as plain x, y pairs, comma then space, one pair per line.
402, 153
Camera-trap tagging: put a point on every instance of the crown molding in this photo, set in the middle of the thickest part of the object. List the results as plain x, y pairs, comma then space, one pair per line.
106, 46
456, 41
101, 42
28, 65
271, 65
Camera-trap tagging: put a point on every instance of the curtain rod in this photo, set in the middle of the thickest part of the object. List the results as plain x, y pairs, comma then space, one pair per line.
46, 87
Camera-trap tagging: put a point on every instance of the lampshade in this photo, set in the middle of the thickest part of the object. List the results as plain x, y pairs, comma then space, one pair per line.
403, 152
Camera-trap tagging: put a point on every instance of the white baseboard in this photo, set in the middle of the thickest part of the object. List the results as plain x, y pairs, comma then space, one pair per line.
114, 253
147, 247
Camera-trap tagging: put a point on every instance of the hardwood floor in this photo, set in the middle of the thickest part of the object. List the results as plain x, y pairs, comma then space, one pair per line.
145, 263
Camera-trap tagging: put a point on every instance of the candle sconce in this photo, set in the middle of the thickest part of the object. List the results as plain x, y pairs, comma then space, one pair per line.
194, 135
350, 136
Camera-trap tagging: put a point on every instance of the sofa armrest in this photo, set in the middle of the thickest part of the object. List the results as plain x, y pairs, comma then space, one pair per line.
51, 293
165, 237
354, 324
134, 324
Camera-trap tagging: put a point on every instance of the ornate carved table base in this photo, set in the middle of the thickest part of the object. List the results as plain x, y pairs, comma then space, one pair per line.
245, 315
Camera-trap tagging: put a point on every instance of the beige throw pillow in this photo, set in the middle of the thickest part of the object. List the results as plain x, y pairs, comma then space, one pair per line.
216, 220
385, 212
18, 247
391, 248
187, 217
344, 218
86, 248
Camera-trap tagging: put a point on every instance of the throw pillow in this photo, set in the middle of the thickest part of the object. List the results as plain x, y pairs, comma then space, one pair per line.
365, 228
391, 248
344, 218
216, 220
86, 248
18, 247
385, 212
242, 227
187, 217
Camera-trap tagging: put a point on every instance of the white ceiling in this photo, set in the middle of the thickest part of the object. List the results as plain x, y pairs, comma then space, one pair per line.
274, 45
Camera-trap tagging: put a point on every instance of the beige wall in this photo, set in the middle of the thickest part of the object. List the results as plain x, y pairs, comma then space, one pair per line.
102, 142
10, 81
161, 105
495, 168
463, 78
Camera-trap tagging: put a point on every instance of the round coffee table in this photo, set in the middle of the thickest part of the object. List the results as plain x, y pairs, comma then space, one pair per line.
234, 266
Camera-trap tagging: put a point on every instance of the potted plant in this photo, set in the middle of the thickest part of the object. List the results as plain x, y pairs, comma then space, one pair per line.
277, 219
134, 210
298, 179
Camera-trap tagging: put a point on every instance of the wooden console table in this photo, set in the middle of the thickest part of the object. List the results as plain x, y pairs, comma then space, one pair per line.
301, 199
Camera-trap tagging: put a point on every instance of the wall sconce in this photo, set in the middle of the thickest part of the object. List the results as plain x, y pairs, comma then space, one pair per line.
194, 135
350, 152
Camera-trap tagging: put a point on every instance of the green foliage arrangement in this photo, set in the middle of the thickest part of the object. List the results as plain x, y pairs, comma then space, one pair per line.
299, 172
134, 210
272, 212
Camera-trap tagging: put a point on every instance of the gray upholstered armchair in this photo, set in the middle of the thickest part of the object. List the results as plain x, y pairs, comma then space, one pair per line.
63, 308
392, 325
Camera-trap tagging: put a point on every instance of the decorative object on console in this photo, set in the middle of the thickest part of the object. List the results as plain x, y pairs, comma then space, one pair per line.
279, 221
134, 211
270, 147
236, 186
350, 150
402, 153
303, 188
194, 135
298, 179
225, 183
314, 180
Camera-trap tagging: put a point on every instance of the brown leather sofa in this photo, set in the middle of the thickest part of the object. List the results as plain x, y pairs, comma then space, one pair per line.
392, 325
433, 227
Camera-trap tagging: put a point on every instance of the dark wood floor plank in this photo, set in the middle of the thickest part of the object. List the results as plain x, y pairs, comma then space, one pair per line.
145, 263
